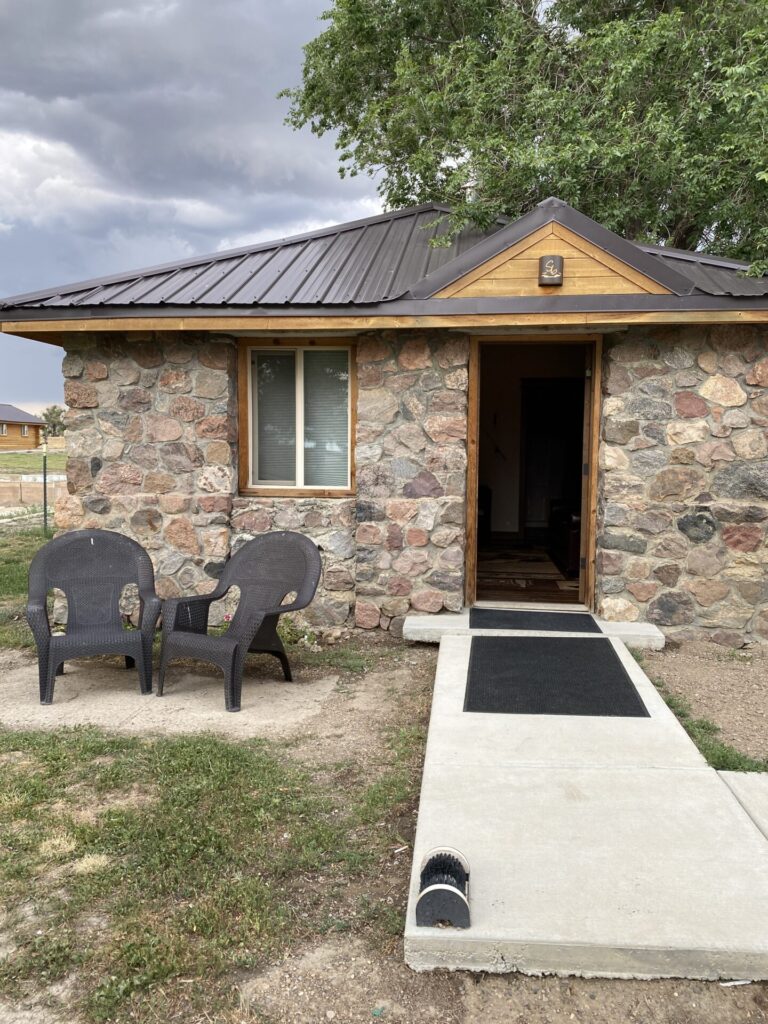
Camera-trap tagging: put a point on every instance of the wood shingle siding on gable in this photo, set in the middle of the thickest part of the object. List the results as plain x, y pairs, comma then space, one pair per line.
588, 270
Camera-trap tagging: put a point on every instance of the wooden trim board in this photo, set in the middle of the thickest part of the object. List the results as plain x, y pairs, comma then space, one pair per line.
56, 331
473, 432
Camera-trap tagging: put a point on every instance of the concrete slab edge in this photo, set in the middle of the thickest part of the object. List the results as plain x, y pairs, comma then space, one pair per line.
444, 950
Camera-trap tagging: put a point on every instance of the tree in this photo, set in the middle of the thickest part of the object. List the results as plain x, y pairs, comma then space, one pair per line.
649, 115
54, 424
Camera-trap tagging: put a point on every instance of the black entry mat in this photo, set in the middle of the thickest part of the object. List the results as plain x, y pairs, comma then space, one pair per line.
531, 675
520, 618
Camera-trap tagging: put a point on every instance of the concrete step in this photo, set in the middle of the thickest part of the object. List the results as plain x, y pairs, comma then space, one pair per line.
431, 628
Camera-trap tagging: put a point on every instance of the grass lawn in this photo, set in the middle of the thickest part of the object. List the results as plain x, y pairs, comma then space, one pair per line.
152, 869
31, 462
16, 551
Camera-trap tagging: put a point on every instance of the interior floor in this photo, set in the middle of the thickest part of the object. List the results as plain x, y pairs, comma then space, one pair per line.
509, 570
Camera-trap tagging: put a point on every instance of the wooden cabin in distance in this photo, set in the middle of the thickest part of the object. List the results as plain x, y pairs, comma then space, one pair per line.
19, 430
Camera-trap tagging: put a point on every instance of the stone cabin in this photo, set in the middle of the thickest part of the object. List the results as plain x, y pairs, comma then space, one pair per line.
542, 411
19, 430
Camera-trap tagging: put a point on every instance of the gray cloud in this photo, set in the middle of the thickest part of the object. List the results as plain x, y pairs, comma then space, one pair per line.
140, 131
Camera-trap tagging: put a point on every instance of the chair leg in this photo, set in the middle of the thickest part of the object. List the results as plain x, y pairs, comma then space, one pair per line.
47, 681
283, 659
46, 697
164, 659
130, 662
145, 674
233, 683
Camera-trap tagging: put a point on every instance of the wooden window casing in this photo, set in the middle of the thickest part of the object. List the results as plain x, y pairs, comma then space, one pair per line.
245, 417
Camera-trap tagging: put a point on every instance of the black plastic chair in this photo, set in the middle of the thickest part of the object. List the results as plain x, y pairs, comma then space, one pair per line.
92, 567
266, 570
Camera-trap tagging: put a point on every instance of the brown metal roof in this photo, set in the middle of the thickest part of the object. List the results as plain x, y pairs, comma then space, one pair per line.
365, 261
384, 264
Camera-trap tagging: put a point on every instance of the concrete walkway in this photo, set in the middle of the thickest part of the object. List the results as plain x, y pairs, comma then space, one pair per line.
597, 846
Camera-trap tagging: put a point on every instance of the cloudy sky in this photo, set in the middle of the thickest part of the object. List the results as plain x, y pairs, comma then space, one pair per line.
144, 131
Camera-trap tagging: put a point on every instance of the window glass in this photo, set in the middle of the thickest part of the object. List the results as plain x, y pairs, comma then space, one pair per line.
274, 386
300, 394
326, 418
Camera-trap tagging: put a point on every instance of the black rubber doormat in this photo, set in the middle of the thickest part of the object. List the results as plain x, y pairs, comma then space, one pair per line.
532, 675
521, 618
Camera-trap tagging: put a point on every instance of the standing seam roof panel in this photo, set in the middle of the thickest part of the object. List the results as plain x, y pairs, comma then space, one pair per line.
196, 287
265, 277
380, 277
290, 285
250, 265
353, 283
325, 273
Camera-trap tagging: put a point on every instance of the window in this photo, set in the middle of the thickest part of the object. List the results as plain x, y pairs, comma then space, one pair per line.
24, 430
300, 418
3, 429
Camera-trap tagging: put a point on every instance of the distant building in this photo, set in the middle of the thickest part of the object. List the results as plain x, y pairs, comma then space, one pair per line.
19, 430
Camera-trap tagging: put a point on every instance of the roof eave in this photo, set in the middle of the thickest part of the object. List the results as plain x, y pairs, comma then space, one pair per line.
401, 306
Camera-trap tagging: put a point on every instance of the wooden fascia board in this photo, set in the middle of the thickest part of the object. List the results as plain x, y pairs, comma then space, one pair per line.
57, 331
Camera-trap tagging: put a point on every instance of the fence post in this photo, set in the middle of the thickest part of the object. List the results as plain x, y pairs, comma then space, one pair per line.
45, 485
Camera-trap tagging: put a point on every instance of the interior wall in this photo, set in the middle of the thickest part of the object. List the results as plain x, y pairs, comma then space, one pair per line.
502, 369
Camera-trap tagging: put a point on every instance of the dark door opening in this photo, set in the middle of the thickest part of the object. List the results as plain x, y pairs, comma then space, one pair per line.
531, 472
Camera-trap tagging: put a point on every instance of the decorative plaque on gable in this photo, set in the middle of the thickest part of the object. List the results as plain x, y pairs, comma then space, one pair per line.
550, 270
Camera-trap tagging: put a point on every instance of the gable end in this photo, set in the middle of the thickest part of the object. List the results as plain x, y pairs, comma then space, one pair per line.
588, 270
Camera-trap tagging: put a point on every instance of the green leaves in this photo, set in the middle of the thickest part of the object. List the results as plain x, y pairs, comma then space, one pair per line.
648, 116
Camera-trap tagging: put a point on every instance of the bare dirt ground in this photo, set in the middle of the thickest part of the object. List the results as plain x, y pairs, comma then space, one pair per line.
728, 687
344, 980
358, 975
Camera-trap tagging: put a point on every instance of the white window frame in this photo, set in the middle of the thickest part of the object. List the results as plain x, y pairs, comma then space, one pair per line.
253, 446
3, 429
25, 430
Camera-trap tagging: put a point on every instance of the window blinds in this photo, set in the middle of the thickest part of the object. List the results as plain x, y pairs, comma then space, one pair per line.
326, 418
274, 385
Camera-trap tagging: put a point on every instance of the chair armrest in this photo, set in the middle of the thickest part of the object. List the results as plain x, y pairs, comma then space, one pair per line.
190, 614
280, 609
37, 617
150, 610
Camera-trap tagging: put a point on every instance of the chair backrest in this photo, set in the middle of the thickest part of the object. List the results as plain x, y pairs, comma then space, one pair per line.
269, 568
92, 568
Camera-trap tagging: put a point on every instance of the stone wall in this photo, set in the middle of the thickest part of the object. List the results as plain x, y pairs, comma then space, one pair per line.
330, 522
150, 436
684, 485
411, 460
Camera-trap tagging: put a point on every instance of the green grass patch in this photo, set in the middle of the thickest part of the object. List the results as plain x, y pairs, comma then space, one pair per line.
202, 857
17, 548
705, 733
31, 462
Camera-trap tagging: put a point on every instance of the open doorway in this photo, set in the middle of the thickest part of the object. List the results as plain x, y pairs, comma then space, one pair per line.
532, 472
